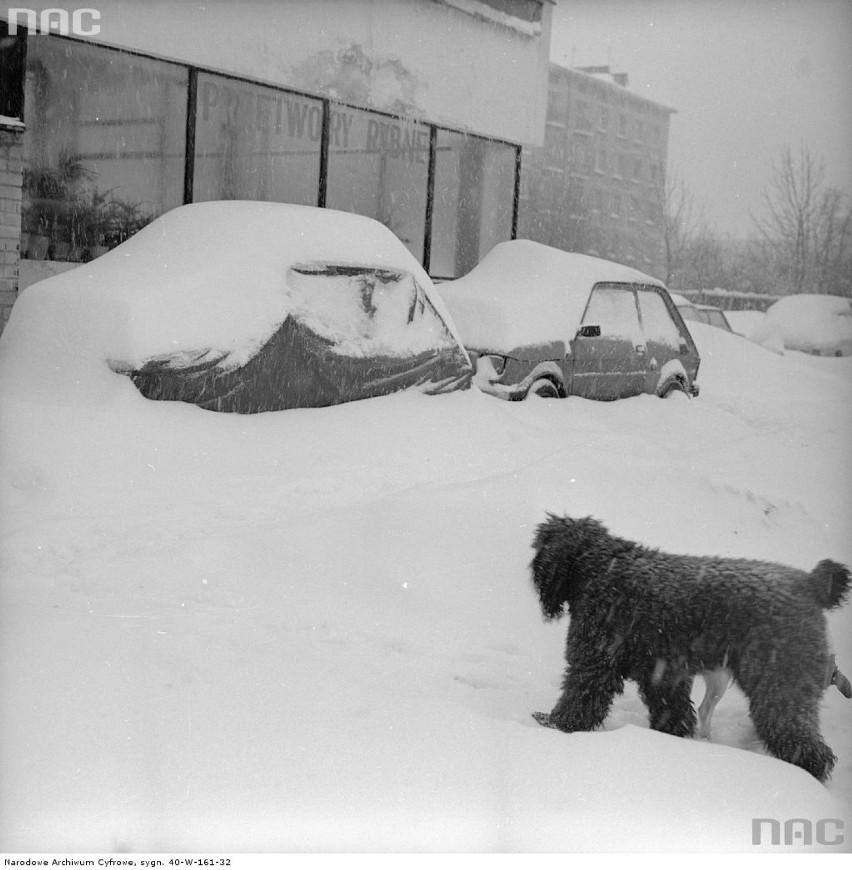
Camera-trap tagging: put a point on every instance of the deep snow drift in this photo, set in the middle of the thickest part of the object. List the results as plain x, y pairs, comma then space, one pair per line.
315, 629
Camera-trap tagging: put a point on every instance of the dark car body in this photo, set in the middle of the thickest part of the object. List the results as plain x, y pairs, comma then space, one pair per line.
536, 320
307, 363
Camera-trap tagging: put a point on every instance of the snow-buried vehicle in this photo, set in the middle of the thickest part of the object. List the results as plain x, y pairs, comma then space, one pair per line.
540, 321
253, 306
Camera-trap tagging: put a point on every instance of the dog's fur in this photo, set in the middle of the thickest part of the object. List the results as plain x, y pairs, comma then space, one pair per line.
660, 619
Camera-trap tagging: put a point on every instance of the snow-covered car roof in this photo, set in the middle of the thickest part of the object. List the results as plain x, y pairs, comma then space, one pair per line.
809, 322
215, 275
524, 293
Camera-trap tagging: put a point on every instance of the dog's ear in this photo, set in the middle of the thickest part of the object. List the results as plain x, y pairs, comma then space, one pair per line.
552, 565
829, 584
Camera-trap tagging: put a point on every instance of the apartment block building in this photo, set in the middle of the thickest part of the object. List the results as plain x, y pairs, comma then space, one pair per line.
596, 186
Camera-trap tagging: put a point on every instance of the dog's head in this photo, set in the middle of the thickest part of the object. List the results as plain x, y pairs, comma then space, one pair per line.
559, 567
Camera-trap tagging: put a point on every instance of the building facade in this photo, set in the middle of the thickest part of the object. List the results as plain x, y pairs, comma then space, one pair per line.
110, 116
596, 186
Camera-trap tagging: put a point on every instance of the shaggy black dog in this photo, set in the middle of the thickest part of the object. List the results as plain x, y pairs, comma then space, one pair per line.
660, 619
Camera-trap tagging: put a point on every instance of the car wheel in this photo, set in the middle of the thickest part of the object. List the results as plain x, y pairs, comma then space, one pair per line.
674, 390
543, 388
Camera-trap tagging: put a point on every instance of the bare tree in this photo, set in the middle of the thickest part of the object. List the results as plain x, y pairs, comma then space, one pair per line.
678, 210
807, 227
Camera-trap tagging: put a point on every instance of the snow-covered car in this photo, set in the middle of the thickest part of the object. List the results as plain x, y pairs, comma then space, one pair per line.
256, 306
808, 322
709, 314
539, 321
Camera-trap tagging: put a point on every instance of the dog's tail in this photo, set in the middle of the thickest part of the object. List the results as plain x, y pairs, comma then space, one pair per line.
829, 584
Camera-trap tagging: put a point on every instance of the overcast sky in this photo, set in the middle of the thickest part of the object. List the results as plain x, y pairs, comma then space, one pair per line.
745, 76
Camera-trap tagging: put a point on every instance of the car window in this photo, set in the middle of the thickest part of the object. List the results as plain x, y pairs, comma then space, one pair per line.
657, 322
612, 307
716, 318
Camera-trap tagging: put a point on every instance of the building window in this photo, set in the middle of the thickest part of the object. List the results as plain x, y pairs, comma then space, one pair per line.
554, 147
380, 169
253, 142
635, 208
473, 201
584, 122
600, 161
616, 204
557, 107
637, 169
603, 124
622, 126
104, 147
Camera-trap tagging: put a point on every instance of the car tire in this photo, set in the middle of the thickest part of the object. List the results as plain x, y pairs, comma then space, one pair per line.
675, 389
543, 388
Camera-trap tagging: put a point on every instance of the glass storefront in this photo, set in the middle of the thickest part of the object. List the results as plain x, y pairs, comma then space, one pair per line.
253, 142
379, 166
473, 201
107, 149
104, 148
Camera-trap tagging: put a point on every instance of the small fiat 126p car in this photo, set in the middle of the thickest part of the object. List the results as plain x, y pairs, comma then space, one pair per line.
539, 321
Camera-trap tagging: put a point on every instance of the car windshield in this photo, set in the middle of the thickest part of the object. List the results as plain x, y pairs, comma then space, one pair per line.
364, 311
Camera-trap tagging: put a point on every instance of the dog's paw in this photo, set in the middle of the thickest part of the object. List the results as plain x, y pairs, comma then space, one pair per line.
547, 721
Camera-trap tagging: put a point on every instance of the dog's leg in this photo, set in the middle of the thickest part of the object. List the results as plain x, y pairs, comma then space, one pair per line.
839, 679
789, 727
587, 694
666, 693
716, 683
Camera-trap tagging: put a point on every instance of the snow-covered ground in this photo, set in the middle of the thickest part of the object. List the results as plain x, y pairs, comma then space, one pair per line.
315, 629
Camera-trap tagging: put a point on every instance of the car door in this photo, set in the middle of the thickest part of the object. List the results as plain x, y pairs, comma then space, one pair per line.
608, 351
666, 336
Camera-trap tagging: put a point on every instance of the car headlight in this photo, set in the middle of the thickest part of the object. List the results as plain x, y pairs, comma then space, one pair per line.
490, 366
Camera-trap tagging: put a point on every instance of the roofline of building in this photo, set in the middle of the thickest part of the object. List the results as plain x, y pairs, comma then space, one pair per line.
612, 86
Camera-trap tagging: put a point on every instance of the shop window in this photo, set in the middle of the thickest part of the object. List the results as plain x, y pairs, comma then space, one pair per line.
473, 203
254, 142
104, 147
12, 50
379, 166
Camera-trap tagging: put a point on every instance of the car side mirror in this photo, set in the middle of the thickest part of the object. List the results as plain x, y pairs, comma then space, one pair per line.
589, 332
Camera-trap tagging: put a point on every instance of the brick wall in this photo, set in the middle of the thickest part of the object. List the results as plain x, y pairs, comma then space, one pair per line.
11, 181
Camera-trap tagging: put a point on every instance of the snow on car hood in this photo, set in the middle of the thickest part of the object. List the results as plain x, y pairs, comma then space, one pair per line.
204, 276
524, 293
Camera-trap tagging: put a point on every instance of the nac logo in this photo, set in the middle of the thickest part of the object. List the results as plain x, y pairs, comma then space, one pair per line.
80, 22
797, 832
